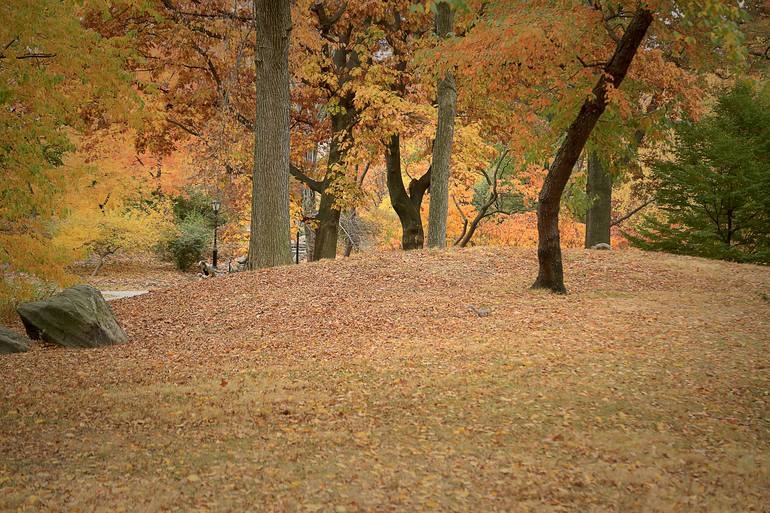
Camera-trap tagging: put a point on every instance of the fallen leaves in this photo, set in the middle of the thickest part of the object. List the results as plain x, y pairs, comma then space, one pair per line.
367, 384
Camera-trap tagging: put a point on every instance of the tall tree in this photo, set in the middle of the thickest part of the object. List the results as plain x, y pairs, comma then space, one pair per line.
551, 273
58, 79
269, 240
446, 95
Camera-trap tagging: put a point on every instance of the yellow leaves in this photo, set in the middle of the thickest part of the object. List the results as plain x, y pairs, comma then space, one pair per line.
118, 229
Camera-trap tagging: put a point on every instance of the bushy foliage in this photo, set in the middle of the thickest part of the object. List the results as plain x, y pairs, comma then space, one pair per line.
187, 242
196, 202
56, 79
714, 195
101, 234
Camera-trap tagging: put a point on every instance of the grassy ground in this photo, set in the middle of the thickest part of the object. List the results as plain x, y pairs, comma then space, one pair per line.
370, 385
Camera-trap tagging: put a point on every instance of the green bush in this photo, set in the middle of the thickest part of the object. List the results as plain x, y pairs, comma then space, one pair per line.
187, 243
196, 202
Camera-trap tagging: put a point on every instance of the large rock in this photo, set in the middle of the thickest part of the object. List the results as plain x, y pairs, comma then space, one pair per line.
12, 342
77, 317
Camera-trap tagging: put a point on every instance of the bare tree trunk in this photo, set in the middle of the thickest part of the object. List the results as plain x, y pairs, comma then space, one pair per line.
308, 210
599, 192
442, 147
406, 205
269, 240
551, 272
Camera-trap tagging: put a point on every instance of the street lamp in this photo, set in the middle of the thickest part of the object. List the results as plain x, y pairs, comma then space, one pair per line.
215, 204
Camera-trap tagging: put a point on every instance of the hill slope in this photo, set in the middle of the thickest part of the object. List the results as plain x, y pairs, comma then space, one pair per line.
368, 384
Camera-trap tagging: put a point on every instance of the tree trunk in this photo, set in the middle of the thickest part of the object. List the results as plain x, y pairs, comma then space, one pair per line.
551, 272
269, 238
328, 226
599, 192
446, 93
328, 210
308, 210
352, 237
412, 235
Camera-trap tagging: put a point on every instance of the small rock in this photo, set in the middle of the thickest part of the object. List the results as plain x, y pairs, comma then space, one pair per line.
12, 342
601, 245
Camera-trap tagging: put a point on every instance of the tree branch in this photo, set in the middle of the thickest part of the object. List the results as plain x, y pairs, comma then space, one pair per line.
634, 211
298, 174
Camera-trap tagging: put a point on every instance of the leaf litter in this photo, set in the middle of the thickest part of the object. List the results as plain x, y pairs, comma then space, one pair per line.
368, 384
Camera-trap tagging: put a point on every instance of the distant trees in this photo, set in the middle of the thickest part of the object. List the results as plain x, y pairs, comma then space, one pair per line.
714, 194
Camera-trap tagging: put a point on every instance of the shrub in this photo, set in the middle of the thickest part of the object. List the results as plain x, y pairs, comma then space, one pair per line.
187, 243
101, 234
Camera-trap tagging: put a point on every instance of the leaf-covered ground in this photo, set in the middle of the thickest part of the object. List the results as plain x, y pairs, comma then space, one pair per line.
368, 384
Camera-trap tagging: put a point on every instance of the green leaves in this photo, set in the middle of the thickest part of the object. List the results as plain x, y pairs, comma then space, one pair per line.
714, 193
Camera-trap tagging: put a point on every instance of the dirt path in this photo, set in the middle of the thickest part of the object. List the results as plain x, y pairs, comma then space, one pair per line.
369, 384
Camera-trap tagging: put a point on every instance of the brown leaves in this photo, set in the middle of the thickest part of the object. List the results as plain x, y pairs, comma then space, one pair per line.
366, 384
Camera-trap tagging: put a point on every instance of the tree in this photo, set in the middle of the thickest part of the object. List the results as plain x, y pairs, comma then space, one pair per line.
405, 202
715, 193
599, 192
551, 273
59, 81
269, 242
446, 96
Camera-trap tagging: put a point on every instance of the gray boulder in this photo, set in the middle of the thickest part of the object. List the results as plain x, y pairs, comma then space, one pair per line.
601, 245
12, 342
76, 317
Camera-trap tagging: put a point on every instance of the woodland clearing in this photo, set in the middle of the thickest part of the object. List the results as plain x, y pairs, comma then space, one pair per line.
369, 384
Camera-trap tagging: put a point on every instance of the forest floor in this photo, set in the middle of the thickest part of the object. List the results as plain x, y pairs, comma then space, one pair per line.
369, 384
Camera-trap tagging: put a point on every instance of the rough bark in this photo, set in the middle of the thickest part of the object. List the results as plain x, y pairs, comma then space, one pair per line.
269, 241
406, 203
599, 192
551, 273
446, 93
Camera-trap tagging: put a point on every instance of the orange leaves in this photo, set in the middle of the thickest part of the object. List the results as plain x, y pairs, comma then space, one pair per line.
520, 230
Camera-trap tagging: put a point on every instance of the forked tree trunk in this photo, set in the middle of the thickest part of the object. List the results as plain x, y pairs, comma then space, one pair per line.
551, 272
446, 93
269, 238
599, 192
406, 204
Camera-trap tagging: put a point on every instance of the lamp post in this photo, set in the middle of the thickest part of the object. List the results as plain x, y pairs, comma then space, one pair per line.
215, 204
